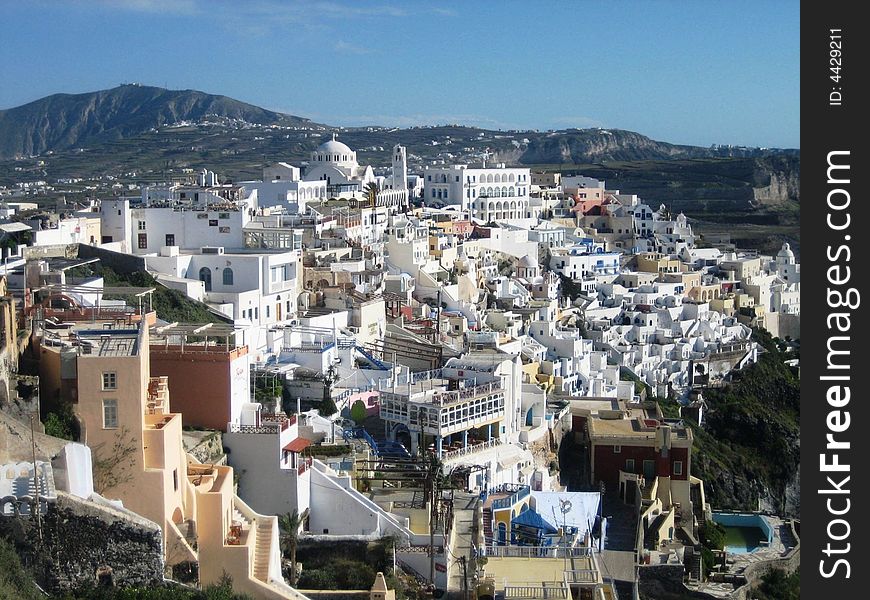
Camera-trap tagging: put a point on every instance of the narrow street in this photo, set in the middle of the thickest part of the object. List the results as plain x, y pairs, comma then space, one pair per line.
463, 523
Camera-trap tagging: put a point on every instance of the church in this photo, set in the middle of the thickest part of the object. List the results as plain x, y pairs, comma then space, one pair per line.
335, 163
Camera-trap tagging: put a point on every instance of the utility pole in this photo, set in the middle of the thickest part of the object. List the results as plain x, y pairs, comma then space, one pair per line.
432, 517
36, 481
464, 578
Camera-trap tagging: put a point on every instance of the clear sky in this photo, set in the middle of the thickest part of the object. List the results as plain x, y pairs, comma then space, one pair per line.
690, 71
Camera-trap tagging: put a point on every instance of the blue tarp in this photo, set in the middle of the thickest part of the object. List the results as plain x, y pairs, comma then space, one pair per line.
530, 518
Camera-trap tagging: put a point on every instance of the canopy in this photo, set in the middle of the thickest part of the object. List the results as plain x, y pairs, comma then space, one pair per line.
530, 518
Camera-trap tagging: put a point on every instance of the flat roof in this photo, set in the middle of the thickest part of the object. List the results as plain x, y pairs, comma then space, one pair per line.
110, 342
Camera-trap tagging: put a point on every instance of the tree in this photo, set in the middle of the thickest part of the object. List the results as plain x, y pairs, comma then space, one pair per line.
358, 412
372, 191
114, 466
288, 524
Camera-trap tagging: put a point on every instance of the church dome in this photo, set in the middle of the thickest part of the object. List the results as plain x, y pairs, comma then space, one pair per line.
786, 251
333, 146
527, 261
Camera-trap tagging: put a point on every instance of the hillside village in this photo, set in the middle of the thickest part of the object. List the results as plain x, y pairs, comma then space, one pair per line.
501, 372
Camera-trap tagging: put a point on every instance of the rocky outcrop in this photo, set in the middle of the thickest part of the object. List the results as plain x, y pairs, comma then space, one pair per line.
85, 541
780, 181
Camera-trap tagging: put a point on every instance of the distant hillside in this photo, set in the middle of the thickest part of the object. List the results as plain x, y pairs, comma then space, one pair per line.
64, 121
577, 146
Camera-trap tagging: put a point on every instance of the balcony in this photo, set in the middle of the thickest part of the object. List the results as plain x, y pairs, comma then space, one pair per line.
471, 449
269, 423
158, 396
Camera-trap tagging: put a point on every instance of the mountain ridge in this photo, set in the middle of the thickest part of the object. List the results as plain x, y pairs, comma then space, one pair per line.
65, 121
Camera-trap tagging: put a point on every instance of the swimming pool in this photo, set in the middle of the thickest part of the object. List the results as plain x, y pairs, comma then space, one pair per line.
744, 532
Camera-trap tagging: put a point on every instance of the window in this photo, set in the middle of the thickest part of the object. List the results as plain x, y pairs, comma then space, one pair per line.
175, 479
110, 414
141, 225
170, 239
678, 467
143, 241
617, 449
228, 276
110, 381
629, 465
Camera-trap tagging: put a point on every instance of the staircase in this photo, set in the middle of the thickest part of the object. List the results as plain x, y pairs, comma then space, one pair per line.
695, 567
487, 526
371, 358
262, 549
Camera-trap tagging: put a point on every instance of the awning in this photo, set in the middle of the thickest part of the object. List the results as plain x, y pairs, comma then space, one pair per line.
298, 445
508, 461
530, 518
15, 227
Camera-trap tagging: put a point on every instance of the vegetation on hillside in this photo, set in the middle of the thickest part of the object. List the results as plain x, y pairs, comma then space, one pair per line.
749, 446
348, 566
15, 582
777, 585
170, 305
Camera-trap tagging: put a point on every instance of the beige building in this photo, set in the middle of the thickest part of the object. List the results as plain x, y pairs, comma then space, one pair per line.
126, 419
651, 262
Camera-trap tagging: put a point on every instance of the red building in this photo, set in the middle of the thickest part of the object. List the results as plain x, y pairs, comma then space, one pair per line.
646, 447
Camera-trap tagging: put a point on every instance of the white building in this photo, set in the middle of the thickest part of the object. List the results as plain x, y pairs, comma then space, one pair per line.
488, 194
336, 164
257, 289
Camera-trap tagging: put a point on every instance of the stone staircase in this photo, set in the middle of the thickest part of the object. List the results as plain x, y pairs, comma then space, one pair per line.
695, 567
262, 549
487, 526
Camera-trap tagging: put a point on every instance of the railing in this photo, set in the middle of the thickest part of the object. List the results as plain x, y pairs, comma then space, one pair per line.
304, 465
309, 347
537, 551
515, 496
282, 420
544, 590
472, 449
264, 428
582, 576
442, 398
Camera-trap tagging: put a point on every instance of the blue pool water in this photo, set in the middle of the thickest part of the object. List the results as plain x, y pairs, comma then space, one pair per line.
744, 532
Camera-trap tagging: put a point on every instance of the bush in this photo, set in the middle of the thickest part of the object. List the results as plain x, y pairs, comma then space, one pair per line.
776, 585
14, 580
61, 424
712, 535
358, 412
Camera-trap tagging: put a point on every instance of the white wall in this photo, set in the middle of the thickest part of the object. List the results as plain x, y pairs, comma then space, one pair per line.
73, 470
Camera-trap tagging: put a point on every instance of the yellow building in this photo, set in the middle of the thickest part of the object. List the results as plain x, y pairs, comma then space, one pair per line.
126, 420
653, 262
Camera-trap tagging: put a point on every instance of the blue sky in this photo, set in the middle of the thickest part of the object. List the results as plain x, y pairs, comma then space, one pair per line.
692, 72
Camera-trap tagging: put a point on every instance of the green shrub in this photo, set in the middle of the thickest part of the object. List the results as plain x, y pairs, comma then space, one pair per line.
358, 412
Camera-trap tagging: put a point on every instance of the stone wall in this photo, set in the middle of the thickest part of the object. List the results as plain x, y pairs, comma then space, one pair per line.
665, 582
756, 571
82, 538
117, 261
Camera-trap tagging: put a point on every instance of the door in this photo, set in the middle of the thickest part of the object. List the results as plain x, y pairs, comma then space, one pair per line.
649, 469
502, 533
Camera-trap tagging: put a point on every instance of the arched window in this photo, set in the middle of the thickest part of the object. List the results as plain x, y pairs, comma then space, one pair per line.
512, 191
205, 277
228, 276
511, 177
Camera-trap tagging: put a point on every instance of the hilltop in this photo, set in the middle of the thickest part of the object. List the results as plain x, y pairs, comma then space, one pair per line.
63, 121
